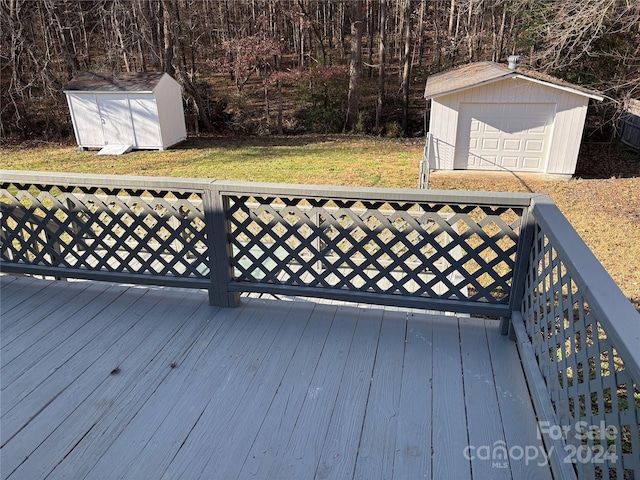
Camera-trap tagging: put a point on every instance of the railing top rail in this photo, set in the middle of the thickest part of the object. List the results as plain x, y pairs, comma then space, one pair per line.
378, 194
105, 181
617, 315
276, 189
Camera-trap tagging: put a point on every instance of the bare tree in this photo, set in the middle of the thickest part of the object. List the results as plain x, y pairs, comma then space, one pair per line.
355, 65
567, 31
382, 58
406, 67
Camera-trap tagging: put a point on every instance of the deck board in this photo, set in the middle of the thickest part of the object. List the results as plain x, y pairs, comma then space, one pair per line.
10, 289
413, 444
177, 403
485, 425
272, 389
38, 306
82, 392
237, 372
515, 403
304, 445
450, 435
62, 327
273, 433
377, 447
131, 424
339, 451
230, 449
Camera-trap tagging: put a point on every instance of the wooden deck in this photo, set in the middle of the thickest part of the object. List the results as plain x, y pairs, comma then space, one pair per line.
111, 381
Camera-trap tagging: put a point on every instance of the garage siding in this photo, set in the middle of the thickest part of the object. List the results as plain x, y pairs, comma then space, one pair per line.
442, 150
565, 140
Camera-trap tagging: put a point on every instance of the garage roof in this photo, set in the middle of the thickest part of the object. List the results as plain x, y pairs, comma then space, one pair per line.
482, 73
114, 82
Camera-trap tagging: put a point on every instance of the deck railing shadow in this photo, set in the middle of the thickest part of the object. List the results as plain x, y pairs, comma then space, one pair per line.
512, 256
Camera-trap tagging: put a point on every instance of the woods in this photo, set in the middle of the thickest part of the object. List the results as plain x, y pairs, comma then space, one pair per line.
291, 66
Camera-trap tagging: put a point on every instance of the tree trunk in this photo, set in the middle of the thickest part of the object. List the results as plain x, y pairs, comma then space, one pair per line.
370, 29
501, 34
118, 31
382, 54
470, 17
406, 68
168, 38
423, 9
181, 70
354, 65
437, 47
67, 48
279, 87
452, 11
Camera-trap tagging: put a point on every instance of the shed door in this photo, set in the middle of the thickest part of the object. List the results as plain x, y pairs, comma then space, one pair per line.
116, 120
145, 120
86, 119
499, 136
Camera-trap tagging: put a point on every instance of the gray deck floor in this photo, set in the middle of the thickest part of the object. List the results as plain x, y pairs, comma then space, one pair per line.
108, 381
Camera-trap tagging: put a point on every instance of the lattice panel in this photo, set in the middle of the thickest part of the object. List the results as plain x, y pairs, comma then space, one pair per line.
585, 376
115, 230
456, 252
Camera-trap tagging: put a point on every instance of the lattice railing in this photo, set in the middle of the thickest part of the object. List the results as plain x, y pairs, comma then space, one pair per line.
120, 231
586, 351
374, 248
439, 250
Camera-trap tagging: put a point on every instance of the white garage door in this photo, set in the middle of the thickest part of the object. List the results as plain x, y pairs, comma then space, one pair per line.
499, 136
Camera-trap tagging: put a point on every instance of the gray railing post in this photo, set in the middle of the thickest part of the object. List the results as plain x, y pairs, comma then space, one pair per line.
221, 272
525, 240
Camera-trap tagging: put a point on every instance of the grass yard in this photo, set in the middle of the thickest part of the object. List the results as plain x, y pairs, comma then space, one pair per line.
300, 159
602, 203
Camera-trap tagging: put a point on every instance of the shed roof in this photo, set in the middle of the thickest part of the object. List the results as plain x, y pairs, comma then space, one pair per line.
482, 73
114, 82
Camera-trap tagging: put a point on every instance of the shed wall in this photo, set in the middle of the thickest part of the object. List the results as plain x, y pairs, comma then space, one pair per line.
565, 137
170, 111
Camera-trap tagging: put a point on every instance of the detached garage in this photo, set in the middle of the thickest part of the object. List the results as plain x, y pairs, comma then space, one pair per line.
486, 116
128, 110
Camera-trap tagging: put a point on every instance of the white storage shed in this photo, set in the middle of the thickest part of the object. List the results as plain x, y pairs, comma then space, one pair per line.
140, 110
487, 116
